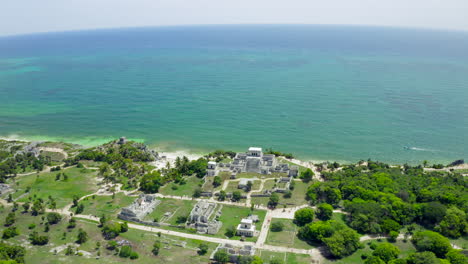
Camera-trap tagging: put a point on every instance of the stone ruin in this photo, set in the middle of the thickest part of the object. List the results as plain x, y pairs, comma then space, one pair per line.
203, 217
141, 207
235, 252
5, 188
254, 160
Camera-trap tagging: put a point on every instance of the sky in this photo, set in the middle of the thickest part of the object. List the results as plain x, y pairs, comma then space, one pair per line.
31, 16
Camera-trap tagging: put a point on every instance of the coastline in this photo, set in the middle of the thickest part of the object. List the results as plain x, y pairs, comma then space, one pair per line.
166, 149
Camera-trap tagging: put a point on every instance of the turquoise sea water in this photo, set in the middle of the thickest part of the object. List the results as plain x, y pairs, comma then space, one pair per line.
321, 92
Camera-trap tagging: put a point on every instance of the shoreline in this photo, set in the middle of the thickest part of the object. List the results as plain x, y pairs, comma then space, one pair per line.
164, 149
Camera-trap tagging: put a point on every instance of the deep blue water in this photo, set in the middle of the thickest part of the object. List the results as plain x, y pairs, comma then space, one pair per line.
321, 92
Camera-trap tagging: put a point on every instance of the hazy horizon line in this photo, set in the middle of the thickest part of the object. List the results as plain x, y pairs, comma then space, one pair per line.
448, 30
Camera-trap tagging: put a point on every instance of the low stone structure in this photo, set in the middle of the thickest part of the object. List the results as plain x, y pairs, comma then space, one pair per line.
246, 228
141, 207
254, 160
235, 252
5, 188
203, 217
244, 182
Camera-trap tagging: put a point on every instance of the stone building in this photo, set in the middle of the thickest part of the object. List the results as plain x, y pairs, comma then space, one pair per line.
142, 206
235, 252
203, 217
244, 182
246, 228
254, 160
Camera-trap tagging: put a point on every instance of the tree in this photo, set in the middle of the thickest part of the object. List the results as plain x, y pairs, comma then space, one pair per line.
236, 196
431, 241
304, 216
111, 230
222, 195
386, 252
425, 257
456, 257
324, 211
433, 212
71, 223
156, 248
256, 260
10, 219
53, 218
197, 193
10, 232
342, 243
389, 225
230, 231
277, 226
151, 182
274, 199
69, 251
374, 260
79, 208
202, 249
36, 239
82, 236
216, 181
26, 207
307, 175
125, 251
221, 256
248, 187
454, 223
393, 235
12, 254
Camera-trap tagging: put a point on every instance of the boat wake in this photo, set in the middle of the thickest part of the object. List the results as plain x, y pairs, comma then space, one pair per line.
418, 149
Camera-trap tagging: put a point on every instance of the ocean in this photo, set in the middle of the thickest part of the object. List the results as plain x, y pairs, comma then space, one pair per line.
343, 93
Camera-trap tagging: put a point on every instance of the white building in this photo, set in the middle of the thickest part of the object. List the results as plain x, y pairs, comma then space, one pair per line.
246, 228
211, 170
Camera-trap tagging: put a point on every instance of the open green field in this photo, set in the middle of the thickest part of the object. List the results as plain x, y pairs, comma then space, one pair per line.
287, 237
141, 241
99, 205
405, 250
208, 185
186, 189
287, 258
298, 195
175, 207
233, 186
232, 215
54, 156
80, 182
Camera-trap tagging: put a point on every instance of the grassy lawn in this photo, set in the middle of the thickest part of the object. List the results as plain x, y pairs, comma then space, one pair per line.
208, 185
186, 189
80, 182
287, 237
232, 215
405, 250
298, 195
289, 258
174, 206
99, 205
54, 156
141, 241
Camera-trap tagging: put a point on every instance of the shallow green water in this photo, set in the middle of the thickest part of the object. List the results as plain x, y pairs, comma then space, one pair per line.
324, 93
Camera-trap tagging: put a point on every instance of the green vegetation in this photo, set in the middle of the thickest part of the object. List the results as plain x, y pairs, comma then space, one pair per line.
43, 185
286, 236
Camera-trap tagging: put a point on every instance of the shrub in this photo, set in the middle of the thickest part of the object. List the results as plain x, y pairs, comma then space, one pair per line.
277, 227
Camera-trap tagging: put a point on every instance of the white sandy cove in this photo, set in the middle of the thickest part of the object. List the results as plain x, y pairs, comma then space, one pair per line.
171, 157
